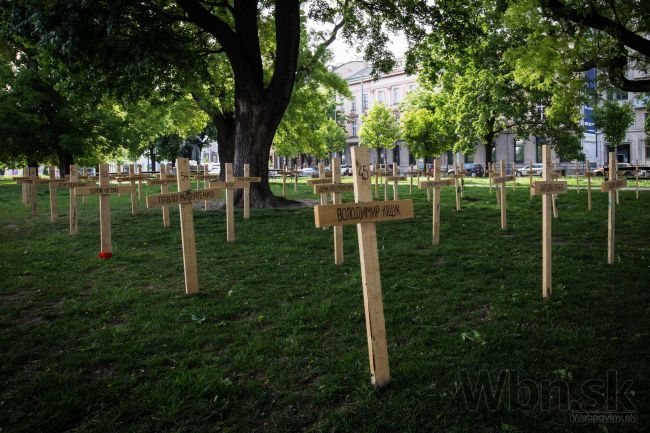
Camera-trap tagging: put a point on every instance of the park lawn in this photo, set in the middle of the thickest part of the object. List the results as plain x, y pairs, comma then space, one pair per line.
275, 341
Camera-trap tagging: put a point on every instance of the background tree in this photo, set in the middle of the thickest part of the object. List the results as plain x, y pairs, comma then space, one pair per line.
613, 119
425, 133
379, 129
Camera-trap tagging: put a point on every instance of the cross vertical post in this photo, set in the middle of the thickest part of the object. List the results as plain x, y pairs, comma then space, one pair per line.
588, 175
74, 217
33, 172
247, 193
636, 177
164, 188
188, 239
577, 178
502, 192
134, 198
284, 181
436, 184
139, 172
547, 260
530, 177
53, 189
230, 204
205, 183
336, 199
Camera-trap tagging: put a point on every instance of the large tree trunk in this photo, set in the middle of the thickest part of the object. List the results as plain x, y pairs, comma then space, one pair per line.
225, 125
489, 141
65, 159
152, 158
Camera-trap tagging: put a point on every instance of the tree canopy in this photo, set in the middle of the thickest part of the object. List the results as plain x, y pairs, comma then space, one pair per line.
379, 128
614, 119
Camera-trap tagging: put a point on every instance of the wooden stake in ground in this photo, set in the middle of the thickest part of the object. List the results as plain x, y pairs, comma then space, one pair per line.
588, 175
436, 184
547, 188
294, 170
427, 177
139, 173
132, 177
71, 184
33, 181
577, 178
247, 190
230, 185
54, 210
457, 184
555, 174
184, 198
413, 172
460, 172
25, 186
365, 213
335, 188
530, 176
395, 178
164, 180
636, 177
104, 191
500, 182
612, 186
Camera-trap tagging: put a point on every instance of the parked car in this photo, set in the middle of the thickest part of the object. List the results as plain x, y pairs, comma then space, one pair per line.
308, 172
346, 170
537, 170
473, 170
624, 169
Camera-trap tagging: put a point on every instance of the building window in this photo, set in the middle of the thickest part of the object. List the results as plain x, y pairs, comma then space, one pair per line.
494, 153
354, 104
364, 102
380, 96
539, 141
647, 151
354, 128
396, 95
469, 158
617, 95
519, 151
411, 87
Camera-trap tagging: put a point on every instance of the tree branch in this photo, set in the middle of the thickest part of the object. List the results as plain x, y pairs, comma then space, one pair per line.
597, 21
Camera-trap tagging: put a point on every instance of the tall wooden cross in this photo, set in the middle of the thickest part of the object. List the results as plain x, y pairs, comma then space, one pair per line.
104, 191
413, 173
636, 177
395, 178
54, 210
72, 183
365, 213
284, 174
230, 185
588, 174
184, 198
164, 180
547, 189
501, 181
33, 181
132, 178
612, 186
335, 188
247, 190
436, 184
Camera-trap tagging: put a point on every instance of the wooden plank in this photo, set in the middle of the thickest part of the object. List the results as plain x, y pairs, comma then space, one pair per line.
333, 188
230, 204
134, 197
370, 276
436, 199
182, 197
502, 186
73, 217
188, 239
54, 211
93, 190
75, 184
321, 174
336, 199
164, 189
106, 249
436, 183
247, 190
229, 184
312, 182
139, 172
358, 213
613, 185
611, 211
547, 221
34, 190
550, 187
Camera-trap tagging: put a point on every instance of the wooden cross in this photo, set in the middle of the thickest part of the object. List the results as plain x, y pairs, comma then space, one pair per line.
547, 188
588, 175
395, 178
459, 173
54, 211
284, 174
164, 180
335, 188
413, 173
555, 174
230, 185
184, 198
458, 185
636, 177
132, 177
104, 191
247, 190
577, 178
436, 184
33, 181
365, 213
612, 186
295, 178
501, 181
530, 177
71, 183
25, 186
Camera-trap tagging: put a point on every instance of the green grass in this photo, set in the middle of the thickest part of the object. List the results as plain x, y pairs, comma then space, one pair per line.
275, 341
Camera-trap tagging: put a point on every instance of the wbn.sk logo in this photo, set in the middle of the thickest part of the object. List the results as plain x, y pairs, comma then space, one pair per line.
601, 400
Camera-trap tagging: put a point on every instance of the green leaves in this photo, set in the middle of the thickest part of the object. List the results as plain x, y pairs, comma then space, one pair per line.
614, 119
379, 129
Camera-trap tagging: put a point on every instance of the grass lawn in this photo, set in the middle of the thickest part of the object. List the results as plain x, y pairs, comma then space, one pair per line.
276, 342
